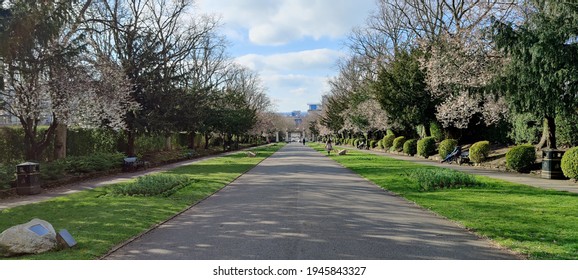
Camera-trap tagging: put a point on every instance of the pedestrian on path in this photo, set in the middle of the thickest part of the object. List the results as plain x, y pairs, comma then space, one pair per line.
303, 141
328, 146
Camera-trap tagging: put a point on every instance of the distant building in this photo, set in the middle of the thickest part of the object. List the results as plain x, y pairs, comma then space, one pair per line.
314, 107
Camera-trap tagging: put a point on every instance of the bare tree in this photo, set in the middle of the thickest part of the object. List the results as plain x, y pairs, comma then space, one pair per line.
166, 52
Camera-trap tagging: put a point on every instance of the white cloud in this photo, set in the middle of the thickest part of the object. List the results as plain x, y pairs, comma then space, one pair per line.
282, 21
310, 60
295, 78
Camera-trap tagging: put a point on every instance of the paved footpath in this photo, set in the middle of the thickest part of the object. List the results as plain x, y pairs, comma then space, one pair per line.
300, 204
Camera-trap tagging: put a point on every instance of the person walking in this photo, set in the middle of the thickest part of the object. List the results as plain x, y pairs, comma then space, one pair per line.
303, 140
328, 146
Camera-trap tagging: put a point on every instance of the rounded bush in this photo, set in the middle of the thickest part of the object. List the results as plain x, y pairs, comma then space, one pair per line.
410, 147
388, 141
380, 144
570, 163
372, 144
426, 147
447, 146
398, 144
479, 151
521, 158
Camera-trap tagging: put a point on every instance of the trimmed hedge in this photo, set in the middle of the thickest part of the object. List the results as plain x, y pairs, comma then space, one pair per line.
398, 144
479, 151
388, 141
410, 147
426, 147
521, 158
447, 146
570, 163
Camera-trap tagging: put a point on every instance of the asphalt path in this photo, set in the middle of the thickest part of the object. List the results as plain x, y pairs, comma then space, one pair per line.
299, 204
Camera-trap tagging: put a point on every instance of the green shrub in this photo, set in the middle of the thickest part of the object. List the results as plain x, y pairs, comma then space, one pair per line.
526, 129
447, 146
436, 131
7, 175
398, 144
479, 151
570, 163
567, 130
53, 170
92, 163
433, 179
154, 185
380, 144
388, 141
521, 158
410, 147
426, 147
421, 131
372, 144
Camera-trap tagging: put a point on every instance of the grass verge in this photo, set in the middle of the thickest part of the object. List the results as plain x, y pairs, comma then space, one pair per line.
537, 223
100, 219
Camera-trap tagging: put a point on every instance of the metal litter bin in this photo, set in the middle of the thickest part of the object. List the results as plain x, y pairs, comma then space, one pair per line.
551, 164
28, 178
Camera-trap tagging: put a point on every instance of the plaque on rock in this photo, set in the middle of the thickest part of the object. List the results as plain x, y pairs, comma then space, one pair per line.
65, 239
39, 229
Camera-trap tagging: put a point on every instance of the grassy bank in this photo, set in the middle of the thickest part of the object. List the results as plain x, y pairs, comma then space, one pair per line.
541, 224
102, 218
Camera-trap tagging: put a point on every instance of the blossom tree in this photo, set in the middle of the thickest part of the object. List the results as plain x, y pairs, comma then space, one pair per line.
47, 79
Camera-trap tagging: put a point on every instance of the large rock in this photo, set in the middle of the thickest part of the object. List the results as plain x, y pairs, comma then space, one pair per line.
36, 236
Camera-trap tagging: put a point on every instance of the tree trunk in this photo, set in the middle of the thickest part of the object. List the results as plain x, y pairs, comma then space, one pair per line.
168, 143
207, 138
61, 133
548, 139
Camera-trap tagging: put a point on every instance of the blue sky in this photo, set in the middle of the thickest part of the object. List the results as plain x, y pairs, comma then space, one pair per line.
293, 44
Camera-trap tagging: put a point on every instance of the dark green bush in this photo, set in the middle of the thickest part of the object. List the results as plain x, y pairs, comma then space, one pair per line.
53, 170
398, 144
154, 185
567, 130
410, 147
92, 163
521, 158
479, 151
387, 141
7, 175
447, 146
526, 129
426, 147
436, 131
433, 179
570, 163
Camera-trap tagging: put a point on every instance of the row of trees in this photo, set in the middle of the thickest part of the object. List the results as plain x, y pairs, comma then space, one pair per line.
469, 65
146, 66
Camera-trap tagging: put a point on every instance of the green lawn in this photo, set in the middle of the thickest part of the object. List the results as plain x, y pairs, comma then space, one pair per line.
99, 220
540, 224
